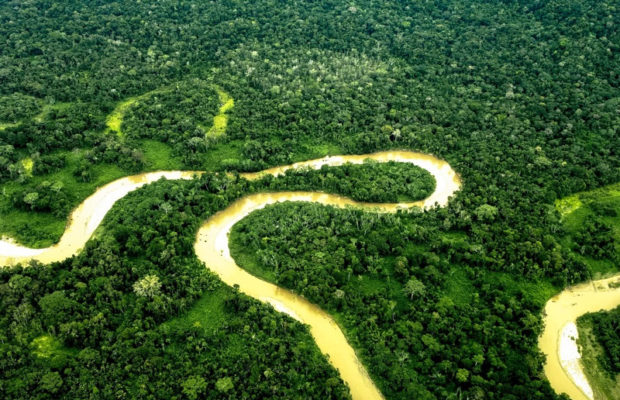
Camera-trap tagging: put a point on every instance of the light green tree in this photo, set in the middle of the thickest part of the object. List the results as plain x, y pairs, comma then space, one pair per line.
224, 384
414, 287
149, 286
193, 386
31, 198
486, 212
462, 375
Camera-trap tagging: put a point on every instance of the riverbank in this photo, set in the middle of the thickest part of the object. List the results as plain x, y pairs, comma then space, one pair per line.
212, 247
563, 366
88, 215
604, 386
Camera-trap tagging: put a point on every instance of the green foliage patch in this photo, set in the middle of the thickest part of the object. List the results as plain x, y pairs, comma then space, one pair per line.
368, 182
395, 290
244, 345
592, 229
17, 107
520, 97
599, 340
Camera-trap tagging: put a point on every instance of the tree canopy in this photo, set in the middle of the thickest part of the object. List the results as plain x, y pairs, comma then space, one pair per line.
521, 97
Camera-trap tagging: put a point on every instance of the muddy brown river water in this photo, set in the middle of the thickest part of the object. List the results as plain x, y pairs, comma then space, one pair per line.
563, 367
211, 244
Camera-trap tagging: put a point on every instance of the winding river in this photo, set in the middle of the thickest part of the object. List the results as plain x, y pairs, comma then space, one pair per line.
211, 244
563, 366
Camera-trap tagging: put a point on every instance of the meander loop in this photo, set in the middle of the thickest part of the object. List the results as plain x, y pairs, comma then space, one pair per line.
211, 244
211, 247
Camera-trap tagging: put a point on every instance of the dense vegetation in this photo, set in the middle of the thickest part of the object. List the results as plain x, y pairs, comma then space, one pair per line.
17, 106
369, 182
91, 325
427, 324
195, 103
590, 221
520, 97
591, 227
599, 343
606, 326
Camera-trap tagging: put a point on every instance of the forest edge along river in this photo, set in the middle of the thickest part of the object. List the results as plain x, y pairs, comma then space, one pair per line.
211, 245
85, 219
558, 341
212, 248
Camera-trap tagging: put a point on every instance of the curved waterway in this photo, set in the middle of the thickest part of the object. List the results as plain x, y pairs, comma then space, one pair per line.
83, 220
563, 366
211, 244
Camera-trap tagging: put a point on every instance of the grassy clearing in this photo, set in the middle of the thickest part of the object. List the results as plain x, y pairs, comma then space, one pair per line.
459, 287
38, 229
602, 203
220, 121
158, 156
539, 291
115, 119
207, 312
227, 102
42, 116
31, 229
567, 205
46, 346
370, 285
322, 150
575, 202
603, 386
247, 260
3, 126
219, 152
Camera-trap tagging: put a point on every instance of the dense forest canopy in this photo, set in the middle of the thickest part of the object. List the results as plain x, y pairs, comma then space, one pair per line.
521, 97
369, 182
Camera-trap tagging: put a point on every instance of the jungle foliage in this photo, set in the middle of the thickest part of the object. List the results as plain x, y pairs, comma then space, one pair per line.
368, 182
606, 327
104, 309
387, 278
520, 97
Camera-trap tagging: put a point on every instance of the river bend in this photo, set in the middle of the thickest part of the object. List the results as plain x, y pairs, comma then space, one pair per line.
563, 365
212, 248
